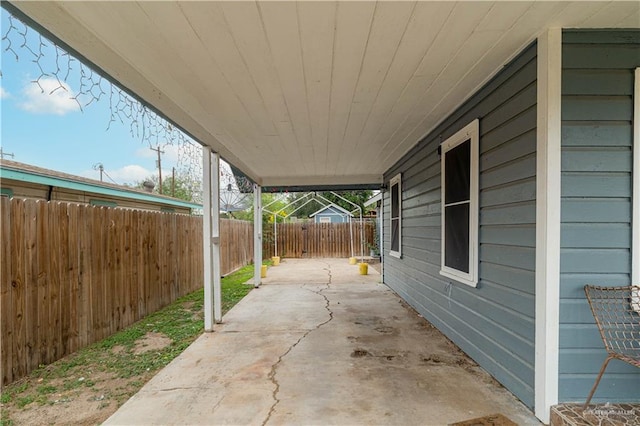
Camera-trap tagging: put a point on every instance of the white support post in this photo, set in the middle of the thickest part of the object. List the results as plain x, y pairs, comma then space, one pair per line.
257, 235
380, 225
548, 203
215, 237
206, 239
635, 200
211, 239
351, 235
635, 224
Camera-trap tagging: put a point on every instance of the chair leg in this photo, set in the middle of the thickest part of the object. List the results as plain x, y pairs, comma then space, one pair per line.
595, 385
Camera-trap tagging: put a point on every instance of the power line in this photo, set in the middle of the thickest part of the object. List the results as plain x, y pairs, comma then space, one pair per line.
110, 178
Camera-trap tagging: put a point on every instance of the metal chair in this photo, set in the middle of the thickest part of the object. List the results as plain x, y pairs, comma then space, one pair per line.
617, 314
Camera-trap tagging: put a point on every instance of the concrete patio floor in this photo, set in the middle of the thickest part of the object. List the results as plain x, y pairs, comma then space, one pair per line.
318, 343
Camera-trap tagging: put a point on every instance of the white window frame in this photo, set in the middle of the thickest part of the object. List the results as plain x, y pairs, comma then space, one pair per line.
325, 219
396, 180
471, 132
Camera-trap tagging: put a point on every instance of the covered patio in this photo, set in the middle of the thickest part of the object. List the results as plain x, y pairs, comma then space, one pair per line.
318, 343
305, 96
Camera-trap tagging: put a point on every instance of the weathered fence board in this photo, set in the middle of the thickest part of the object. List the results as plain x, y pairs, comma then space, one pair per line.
74, 274
301, 240
237, 241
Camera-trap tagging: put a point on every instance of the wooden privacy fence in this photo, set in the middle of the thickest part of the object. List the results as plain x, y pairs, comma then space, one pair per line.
236, 244
75, 274
298, 240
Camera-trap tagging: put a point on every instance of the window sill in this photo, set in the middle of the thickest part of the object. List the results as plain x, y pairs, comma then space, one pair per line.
461, 279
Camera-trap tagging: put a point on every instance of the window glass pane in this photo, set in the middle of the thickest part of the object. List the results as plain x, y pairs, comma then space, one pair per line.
457, 171
395, 204
103, 203
395, 240
456, 236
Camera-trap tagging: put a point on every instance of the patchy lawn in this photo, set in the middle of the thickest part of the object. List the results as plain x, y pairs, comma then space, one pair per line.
86, 387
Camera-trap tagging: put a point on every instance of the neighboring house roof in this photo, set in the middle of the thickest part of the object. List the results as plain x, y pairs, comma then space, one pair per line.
32, 174
340, 211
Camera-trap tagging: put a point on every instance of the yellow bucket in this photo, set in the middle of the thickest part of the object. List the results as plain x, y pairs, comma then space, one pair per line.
263, 271
364, 268
275, 260
352, 261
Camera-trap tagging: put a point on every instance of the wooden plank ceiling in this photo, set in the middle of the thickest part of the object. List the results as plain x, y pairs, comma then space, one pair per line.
307, 93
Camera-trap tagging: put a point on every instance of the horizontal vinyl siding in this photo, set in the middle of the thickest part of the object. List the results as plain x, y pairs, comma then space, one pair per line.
493, 323
597, 113
41, 192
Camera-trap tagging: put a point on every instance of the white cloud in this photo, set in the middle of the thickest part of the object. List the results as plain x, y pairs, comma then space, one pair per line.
53, 98
3, 93
128, 174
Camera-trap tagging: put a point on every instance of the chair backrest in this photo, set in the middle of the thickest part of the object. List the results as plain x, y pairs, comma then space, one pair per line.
617, 314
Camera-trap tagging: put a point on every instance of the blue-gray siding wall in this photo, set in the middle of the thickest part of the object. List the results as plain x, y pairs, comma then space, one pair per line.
335, 215
335, 218
597, 114
493, 323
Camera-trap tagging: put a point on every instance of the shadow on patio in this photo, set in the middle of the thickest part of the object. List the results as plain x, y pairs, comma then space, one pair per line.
320, 344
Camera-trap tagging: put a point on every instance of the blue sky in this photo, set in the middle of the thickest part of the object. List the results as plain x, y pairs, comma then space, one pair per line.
49, 129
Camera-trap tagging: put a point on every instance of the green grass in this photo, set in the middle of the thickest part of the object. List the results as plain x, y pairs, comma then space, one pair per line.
181, 321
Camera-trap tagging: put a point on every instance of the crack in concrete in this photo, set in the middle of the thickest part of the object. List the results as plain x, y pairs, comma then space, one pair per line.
182, 388
328, 269
274, 367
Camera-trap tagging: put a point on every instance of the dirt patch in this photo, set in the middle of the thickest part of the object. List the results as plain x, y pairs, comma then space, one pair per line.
432, 359
457, 359
359, 353
151, 341
385, 329
87, 399
85, 395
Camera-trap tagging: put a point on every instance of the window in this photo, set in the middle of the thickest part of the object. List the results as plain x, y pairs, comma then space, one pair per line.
325, 219
459, 167
396, 216
95, 202
6, 192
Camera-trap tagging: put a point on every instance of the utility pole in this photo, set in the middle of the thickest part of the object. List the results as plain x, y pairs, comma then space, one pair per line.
173, 182
100, 167
8, 154
159, 164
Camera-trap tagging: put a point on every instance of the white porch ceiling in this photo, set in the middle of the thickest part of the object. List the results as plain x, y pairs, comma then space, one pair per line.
310, 93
